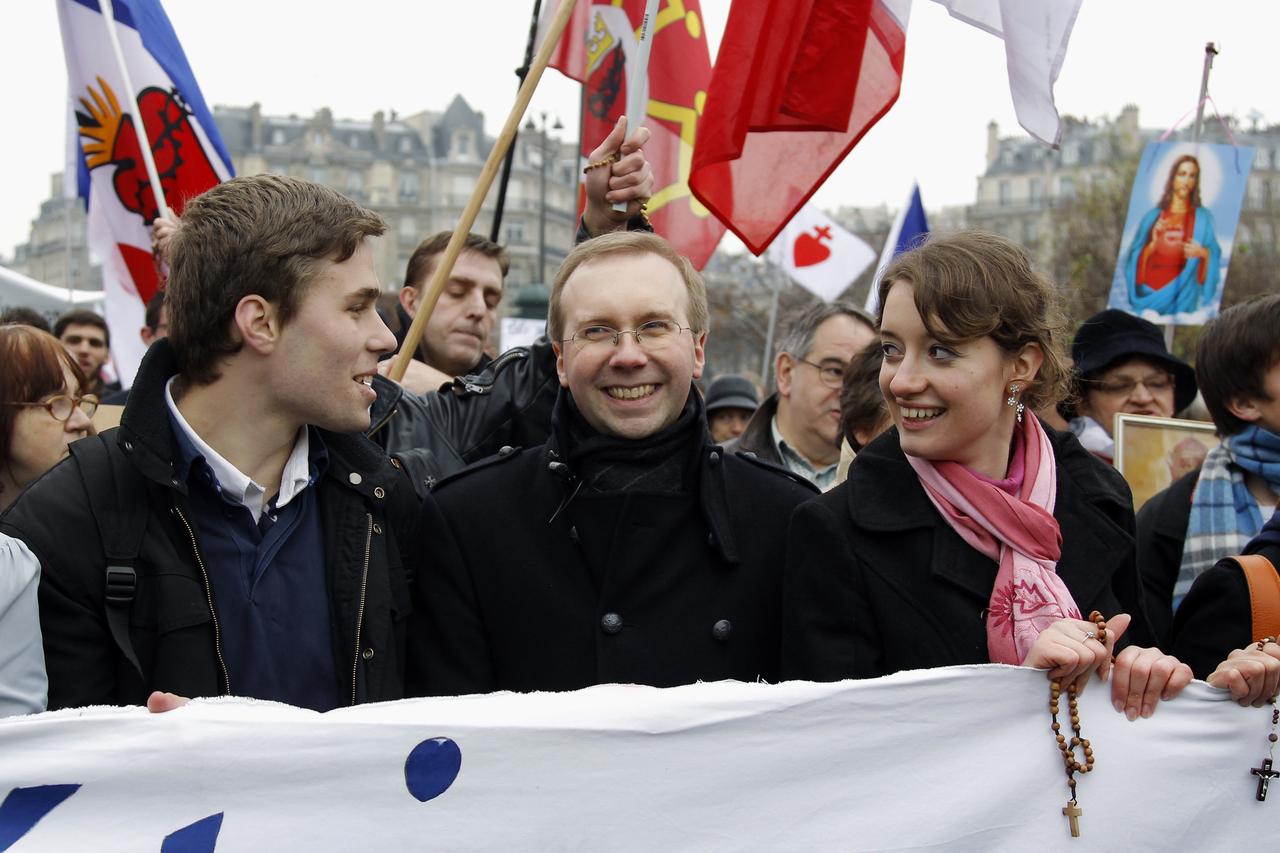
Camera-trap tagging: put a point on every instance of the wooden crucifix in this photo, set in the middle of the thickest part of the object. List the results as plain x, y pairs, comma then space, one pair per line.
1265, 774
1073, 812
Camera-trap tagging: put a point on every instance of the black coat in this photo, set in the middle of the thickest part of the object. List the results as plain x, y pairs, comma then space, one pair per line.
368, 508
1162, 532
1216, 617
529, 587
877, 581
757, 438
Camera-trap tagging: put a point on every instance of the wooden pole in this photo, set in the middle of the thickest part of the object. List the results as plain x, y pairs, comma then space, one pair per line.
487, 174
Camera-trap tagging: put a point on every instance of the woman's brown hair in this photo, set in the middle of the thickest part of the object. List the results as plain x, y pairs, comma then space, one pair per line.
971, 284
33, 362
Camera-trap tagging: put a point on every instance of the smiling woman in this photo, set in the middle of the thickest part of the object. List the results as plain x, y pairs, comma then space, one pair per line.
970, 533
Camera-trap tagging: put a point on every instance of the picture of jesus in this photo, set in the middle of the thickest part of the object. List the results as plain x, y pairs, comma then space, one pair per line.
1184, 209
1173, 265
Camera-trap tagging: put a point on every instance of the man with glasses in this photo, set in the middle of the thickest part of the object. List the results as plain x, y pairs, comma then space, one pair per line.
798, 427
629, 548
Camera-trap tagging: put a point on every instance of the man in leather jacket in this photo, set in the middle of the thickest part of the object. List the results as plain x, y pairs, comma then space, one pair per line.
506, 400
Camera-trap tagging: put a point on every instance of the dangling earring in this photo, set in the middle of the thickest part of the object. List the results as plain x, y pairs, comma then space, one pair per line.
1014, 403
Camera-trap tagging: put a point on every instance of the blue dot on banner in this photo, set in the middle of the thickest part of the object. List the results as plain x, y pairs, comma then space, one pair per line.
431, 768
198, 837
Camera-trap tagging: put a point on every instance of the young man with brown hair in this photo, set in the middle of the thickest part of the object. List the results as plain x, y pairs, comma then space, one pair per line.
242, 536
1215, 510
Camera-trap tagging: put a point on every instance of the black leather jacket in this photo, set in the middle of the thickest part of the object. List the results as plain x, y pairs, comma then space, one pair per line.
434, 435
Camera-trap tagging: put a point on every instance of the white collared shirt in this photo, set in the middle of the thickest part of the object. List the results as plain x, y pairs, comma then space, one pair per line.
236, 485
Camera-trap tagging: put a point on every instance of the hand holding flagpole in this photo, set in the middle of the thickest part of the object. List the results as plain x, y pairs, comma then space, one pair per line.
131, 104
638, 79
445, 268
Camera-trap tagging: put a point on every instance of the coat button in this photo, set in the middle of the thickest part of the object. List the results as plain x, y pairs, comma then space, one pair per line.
367, 654
128, 446
714, 458
506, 450
377, 528
611, 623
379, 492
395, 462
721, 629
750, 454
573, 535
354, 478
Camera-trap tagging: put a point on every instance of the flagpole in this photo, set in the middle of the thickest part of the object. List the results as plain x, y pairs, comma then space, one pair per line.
521, 72
1210, 51
109, 19
638, 79
766, 360
445, 268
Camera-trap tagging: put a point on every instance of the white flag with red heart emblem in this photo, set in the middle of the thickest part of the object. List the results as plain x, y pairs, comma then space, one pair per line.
819, 255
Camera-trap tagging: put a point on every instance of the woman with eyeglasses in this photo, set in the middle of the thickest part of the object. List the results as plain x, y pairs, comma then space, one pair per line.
42, 409
969, 533
1122, 367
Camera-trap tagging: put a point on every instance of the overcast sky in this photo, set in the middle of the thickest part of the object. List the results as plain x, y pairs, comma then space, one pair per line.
411, 55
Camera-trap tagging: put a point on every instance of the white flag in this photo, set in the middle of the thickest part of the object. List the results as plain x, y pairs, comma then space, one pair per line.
819, 255
1035, 34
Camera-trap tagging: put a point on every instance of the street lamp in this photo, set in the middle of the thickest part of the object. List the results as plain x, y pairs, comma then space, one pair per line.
542, 190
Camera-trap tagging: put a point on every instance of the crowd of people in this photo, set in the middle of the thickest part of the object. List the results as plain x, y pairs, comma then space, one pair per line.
275, 517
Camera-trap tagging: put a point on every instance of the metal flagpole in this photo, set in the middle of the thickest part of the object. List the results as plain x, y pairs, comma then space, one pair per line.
431, 295
638, 79
1210, 51
766, 360
131, 104
521, 72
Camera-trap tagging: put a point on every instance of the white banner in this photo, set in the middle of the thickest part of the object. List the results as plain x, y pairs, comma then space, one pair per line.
950, 759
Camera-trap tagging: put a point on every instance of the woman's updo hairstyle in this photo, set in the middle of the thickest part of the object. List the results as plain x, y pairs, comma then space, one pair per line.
969, 284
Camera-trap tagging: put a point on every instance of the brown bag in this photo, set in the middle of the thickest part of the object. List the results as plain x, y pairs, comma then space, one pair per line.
1264, 594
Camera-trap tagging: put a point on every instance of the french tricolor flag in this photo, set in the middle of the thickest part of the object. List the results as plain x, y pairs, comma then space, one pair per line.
909, 229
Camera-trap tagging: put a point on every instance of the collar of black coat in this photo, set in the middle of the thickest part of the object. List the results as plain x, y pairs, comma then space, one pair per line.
146, 433
882, 461
884, 495
718, 505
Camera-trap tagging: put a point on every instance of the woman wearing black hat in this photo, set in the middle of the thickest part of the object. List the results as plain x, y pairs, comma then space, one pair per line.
1123, 367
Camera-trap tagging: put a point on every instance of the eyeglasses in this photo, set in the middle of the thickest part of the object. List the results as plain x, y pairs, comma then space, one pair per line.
61, 406
831, 375
653, 335
1124, 387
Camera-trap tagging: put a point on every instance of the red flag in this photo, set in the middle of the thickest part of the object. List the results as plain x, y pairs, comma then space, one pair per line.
595, 50
797, 83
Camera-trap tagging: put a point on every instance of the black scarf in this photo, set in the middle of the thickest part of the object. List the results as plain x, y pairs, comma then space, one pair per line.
661, 462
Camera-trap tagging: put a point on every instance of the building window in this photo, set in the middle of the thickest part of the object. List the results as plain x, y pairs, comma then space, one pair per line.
319, 175
408, 228
317, 138
1066, 188
1037, 190
277, 136
355, 182
408, 186
1070, 154
354, 140
1006, 192
406, 145
515, 233
462, 144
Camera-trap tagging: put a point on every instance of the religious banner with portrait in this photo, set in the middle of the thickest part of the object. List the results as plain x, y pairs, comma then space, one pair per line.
1178, 235
955, 759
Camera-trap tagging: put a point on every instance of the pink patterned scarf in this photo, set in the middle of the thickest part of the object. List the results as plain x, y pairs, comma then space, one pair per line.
1015, 526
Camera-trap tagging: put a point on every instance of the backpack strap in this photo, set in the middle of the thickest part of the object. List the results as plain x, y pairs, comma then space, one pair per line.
1264, 594
118, 502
